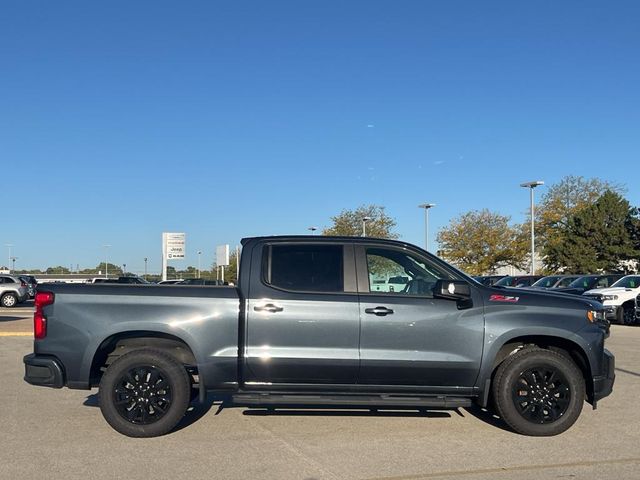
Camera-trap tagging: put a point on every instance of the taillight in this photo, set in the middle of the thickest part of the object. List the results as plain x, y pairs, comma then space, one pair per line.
23, 283
39, 320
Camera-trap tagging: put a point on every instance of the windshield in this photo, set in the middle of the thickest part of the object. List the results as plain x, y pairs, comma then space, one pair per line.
583, 282
546, 282
565, 282
632, 281
505, 282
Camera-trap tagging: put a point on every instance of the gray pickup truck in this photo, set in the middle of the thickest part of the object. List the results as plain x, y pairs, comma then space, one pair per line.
325, 322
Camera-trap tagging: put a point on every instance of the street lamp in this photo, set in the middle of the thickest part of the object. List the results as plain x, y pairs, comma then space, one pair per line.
199, 254
145, 267
10, 247
312, 230
124, 269
13, 264
426, 207
106, 260
364, 225
531, 186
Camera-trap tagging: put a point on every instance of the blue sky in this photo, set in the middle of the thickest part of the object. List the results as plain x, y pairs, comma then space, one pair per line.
120, 120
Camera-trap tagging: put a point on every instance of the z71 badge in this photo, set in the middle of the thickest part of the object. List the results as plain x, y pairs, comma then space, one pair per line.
504, 298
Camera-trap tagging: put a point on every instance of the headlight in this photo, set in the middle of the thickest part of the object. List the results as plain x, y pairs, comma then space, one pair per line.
609, 297
595, 316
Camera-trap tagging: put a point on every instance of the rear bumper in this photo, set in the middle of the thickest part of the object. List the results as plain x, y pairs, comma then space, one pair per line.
603, 385
43, 370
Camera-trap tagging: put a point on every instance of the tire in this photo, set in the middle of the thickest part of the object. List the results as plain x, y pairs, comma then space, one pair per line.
9, 300
144, 393
627, 314
539, 392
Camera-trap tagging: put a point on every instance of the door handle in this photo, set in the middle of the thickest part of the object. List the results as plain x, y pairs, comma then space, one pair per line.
269, 307
379, 311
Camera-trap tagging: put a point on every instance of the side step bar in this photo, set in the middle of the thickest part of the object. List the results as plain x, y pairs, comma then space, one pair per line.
351, 400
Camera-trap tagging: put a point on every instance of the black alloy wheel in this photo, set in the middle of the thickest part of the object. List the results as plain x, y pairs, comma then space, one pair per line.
145, 393
541, 394
628, 315
142, 395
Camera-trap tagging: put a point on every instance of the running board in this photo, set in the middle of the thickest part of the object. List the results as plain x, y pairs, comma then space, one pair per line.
365, 401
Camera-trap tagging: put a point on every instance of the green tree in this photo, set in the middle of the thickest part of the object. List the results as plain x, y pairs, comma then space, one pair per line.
349, 223
480, 241
560, 202
597, 238
58, 270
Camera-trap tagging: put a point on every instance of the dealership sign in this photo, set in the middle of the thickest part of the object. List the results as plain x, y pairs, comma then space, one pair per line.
222, 255
173, 245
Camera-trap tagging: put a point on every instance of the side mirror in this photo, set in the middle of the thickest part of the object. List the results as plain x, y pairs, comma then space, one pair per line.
452, 290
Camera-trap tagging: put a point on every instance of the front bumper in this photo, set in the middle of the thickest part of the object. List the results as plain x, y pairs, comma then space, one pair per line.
611, 312
43, 370
603, 385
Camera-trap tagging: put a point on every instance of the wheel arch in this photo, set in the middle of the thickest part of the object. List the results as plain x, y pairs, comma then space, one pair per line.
564, 346
123, 342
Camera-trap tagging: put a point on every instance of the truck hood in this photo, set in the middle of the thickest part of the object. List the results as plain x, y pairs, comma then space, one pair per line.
607, 291
542, 297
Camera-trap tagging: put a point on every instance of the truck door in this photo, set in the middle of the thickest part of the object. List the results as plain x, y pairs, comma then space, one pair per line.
408, 337
302, 313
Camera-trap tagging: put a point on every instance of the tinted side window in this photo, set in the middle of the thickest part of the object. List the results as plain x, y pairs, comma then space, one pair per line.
308, 268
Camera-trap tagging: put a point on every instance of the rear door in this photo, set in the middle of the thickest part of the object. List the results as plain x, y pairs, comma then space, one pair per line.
408, 337
302, 315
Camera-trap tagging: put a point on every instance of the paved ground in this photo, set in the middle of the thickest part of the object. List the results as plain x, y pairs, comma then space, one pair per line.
60, 434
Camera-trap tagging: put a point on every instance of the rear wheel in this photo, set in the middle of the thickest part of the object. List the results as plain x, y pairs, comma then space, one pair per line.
539, 392
144, 393
9, 300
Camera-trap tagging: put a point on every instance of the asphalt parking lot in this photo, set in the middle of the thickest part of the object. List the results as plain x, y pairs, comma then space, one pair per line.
61, 434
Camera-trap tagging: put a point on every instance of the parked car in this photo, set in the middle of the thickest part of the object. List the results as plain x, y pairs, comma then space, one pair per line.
305, 328
589, 282
518, 281
125, 279
554, 281
31, 282
488, 279
619, 299
13, 290
201, 281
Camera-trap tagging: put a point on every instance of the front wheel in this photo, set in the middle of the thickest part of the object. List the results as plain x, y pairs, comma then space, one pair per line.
144, 393
539, 392
627, 314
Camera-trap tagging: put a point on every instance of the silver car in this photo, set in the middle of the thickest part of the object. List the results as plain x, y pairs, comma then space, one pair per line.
13, 291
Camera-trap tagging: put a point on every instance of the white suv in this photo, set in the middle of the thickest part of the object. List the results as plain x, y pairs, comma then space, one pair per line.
619, 299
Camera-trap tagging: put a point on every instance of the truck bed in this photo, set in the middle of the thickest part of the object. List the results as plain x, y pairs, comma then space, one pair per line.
88, 318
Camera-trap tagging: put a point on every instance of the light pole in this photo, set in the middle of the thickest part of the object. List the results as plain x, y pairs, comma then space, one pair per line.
124, 269
426, 207
106, 260
364, 225
13, 264
145, 267
10, 247
531, 186
199, 254
312, 230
